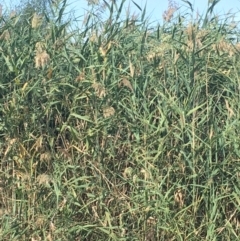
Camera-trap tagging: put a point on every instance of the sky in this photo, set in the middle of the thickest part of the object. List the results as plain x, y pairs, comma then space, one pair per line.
155, 8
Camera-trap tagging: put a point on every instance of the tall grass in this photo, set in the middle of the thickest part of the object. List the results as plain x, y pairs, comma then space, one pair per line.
116, 131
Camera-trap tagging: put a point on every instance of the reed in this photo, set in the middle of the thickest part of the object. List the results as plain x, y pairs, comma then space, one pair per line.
118, 131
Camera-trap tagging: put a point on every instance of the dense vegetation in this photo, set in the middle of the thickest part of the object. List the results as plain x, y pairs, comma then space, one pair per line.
117, 130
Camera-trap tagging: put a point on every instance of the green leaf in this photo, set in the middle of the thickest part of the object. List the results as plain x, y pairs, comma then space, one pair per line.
137, 5
81, 117
144, 12
195, 109
190, 5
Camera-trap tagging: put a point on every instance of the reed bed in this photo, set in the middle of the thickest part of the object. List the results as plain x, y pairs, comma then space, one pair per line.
117, 130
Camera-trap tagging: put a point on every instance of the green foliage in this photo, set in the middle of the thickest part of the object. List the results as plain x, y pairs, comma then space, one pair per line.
31, 6
119, 132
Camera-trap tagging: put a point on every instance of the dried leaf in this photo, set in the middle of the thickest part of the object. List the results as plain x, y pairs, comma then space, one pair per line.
44, 179
36, 21
42, 59
230, 110
179, 198
46, 156
108, 111
99, 89
132, 69
127, 83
